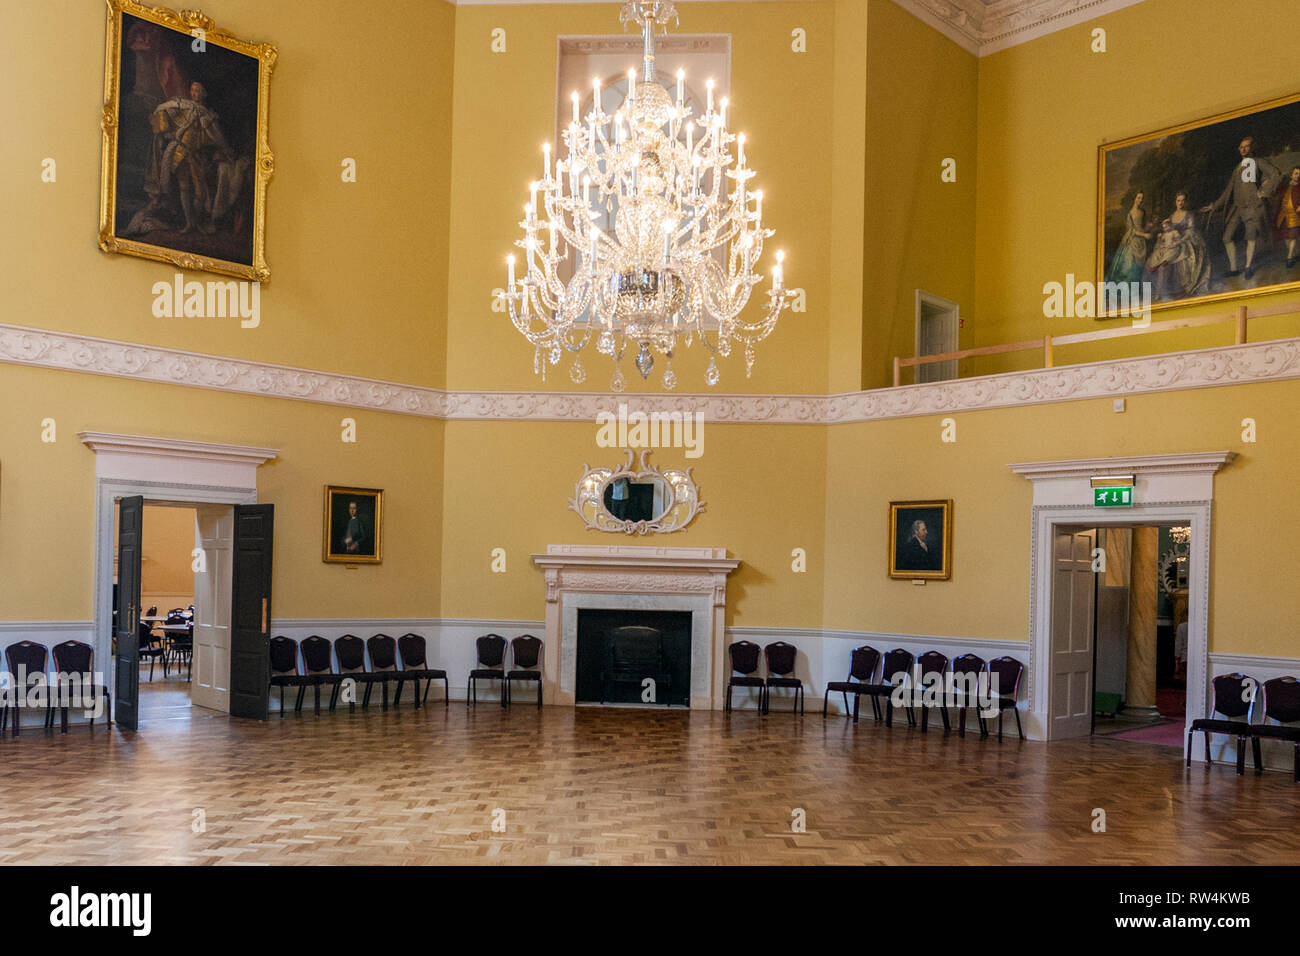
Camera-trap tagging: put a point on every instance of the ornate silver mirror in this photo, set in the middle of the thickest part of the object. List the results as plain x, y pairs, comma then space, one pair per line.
638, 500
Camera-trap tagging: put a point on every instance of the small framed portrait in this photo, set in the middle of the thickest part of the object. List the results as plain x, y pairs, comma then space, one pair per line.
920, 540
185, 156
353, 525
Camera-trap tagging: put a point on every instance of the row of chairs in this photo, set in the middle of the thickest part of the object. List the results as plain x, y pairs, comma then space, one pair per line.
877, 677
30, 659
318, 668
1235, 697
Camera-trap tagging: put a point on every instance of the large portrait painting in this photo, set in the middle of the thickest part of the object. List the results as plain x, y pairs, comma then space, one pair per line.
354, 525
1205, 211
920, 539
186, 159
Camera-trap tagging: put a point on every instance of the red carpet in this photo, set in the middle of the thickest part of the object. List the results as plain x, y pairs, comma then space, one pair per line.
1171, 702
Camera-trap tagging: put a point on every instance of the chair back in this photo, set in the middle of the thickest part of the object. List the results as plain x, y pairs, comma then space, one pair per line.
176, 616
932, 662
74, 657
1006, 672
284, 655
411, 647
491, 651
153, 610
526, 652
383, 653
1233, 694
744, 657
316, 656
351, 651
898, 661
780, 658
27, 655
862, 664
145, 630
1282, 699
966, 671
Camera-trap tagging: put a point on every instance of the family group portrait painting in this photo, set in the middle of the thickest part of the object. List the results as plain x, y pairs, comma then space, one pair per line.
185, 156
1209, 210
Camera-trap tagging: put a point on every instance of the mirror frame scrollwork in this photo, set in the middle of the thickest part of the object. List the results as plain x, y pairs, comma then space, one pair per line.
590, 491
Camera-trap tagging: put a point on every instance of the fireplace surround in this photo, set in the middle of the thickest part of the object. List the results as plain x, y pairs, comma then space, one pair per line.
630, 577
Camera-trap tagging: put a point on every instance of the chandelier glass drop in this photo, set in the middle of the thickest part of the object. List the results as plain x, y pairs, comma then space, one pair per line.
680, 261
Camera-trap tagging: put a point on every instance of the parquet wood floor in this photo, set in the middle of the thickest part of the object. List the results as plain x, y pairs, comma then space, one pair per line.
616, 786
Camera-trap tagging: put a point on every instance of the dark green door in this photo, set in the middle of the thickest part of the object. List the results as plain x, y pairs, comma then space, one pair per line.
250, 612
126, 693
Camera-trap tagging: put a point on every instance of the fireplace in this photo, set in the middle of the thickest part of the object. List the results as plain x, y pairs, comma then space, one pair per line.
634, 657
642, 582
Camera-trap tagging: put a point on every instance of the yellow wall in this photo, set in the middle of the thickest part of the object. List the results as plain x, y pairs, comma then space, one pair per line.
47, 497
360, 285
921, 99
874, 463
1045, 107
358, 270
166, 565
762, 487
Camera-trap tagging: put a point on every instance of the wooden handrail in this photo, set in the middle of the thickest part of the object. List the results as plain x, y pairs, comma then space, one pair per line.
1240, 316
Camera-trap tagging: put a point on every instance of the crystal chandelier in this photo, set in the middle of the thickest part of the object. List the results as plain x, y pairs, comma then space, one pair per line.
687, 232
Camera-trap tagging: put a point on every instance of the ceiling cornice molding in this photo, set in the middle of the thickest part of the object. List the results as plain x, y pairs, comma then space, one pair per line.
1276, 360
981, 27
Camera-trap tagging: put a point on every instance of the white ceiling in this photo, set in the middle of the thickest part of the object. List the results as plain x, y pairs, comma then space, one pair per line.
987, 26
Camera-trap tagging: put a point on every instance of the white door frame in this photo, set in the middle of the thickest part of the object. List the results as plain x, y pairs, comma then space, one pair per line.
159, 469
1168, 490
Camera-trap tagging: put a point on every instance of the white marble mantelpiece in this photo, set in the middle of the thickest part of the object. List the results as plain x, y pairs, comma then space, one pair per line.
628, 577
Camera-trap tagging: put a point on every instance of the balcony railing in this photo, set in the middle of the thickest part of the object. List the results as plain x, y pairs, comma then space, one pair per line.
1241, 316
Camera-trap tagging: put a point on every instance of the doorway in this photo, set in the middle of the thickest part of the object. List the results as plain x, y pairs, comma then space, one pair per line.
1119, 631
183, 653
937, 324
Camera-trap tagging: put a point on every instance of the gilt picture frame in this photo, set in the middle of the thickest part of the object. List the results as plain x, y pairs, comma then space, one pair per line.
186, 158
1239, 245
920, 540
353, 525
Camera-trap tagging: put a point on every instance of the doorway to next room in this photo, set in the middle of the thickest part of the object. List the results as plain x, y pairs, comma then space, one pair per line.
182, 629
1120, 611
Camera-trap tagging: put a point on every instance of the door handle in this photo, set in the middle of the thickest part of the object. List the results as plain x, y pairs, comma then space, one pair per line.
264, 602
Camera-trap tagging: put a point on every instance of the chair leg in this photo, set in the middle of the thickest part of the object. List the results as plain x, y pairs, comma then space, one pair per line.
1241, 756
889, 711
857, 699
1019, 729
846, 701
469, 693
1001, 713
1254, 746
302, 691
1207, 751
726, 707
825, 698
1190, 735
427, 681
925, 717
539, 693
943, 710
415, 695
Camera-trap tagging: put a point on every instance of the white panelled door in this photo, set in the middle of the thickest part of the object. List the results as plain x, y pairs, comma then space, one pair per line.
211, 684
1073, 586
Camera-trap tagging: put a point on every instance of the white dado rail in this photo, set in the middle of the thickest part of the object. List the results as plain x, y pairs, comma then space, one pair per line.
626, 577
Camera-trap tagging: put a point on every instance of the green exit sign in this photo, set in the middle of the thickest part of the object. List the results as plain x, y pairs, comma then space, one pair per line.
1112, 497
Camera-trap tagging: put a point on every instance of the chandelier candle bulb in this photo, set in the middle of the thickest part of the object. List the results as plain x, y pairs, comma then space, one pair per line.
758, 205
722, 115
574, 98
510, 273
740, 147
546, 161
708, 89
778, 271
681, 88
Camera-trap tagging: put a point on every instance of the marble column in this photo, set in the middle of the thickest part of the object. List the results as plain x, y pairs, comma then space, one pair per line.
1140, 681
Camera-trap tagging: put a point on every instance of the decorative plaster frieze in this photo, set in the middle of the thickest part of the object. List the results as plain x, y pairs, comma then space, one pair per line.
987, 26
1274, 360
